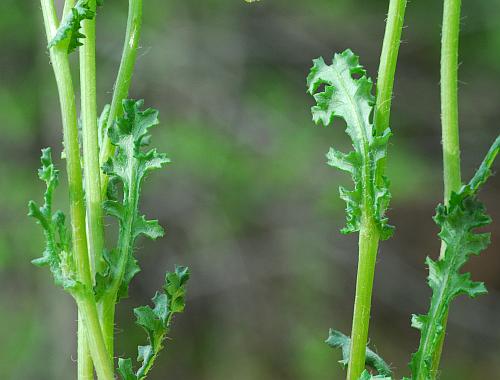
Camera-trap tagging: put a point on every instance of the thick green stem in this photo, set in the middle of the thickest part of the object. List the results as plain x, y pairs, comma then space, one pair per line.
368, 247
85, 365
88, 309
449, 124
122, 84
369, 235
86, 303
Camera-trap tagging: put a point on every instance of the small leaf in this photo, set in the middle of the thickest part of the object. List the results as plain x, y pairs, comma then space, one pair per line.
156, 323
57, 254
125, 369
338, 340
69, 30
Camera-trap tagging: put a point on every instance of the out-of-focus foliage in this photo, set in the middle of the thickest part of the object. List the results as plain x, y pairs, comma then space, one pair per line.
247, 203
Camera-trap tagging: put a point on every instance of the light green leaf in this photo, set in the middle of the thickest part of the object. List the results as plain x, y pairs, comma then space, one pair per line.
350, 98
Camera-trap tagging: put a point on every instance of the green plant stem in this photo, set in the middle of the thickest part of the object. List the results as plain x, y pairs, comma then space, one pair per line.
85, 365
449, 124
90, 140
100, 357
368, 235
368, 247
388, 62
95, 226
121, 88
449, 97
122, 84
86, 302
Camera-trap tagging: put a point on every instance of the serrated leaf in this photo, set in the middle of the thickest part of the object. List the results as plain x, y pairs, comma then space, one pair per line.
458, 221
128, 168
57, 254
69, 30
338, 340
351, 99
156, 322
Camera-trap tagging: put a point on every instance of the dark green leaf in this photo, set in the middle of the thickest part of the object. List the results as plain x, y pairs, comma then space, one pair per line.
69, 30
156, 322
458, 220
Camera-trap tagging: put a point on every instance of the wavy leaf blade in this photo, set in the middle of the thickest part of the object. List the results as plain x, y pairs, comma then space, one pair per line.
69, 30
156, 323
458, 221
350, 98
57, 254
128, 169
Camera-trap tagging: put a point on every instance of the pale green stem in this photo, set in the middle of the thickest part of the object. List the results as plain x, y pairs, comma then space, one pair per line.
92, 176
368, 247
86, 302
388, 62
449, 125
122, 84
95, 226
449, 97
369, 235
85, 365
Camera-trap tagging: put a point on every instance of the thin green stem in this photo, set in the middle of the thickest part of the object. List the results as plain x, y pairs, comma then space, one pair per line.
121, 88
449, 97
86, 303
449, 124
369, 235
95, 226
368, 247
388, 62
122, 84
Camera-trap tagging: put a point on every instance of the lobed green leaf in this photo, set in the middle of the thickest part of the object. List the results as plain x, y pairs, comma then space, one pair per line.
57, 254
458, 221
156, 323
128, 168
69, 30
349, 98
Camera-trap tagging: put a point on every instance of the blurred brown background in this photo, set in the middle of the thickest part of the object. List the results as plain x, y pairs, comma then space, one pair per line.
249, 203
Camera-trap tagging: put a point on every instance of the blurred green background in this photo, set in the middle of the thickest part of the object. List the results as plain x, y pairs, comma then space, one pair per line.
249, 203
